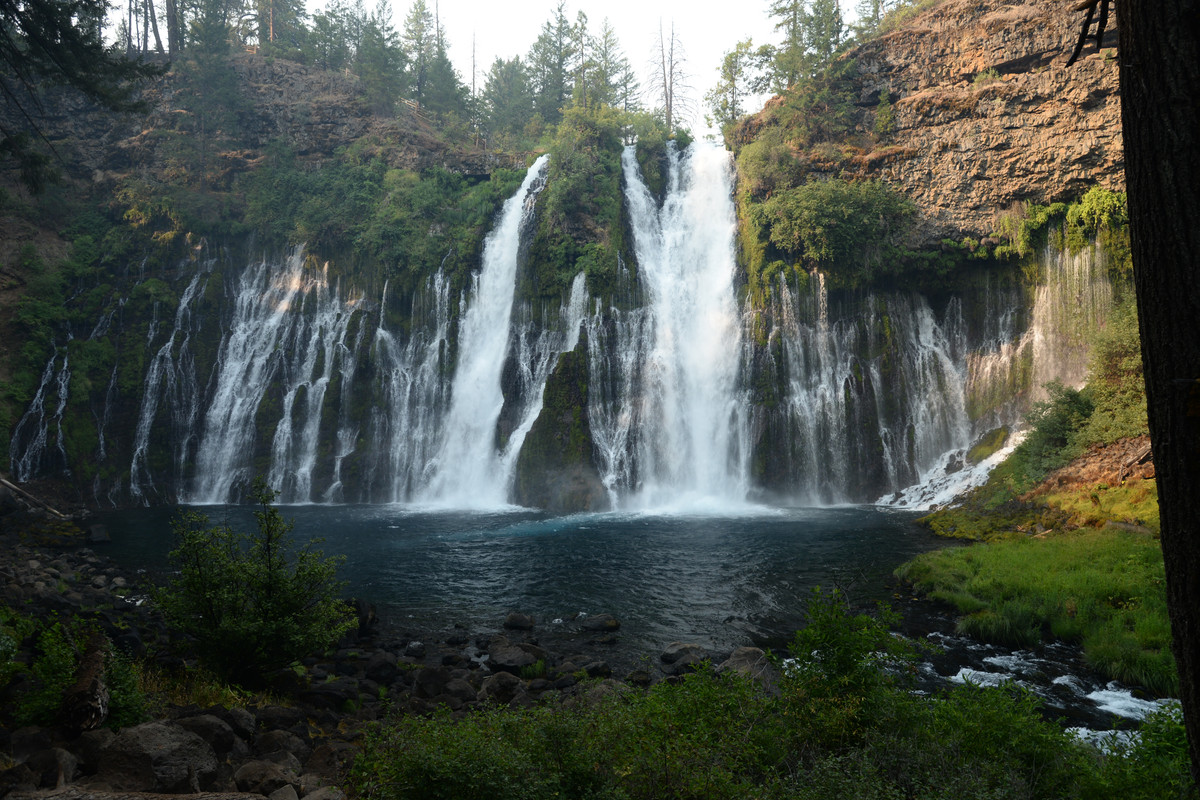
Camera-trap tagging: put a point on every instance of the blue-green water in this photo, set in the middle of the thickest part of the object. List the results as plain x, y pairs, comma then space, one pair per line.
720, 580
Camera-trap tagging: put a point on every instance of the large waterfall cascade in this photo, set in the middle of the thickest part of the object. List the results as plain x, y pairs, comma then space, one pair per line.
673, 431
465, 469
872, 392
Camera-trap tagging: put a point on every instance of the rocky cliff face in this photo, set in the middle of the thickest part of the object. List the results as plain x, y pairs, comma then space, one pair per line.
968, 144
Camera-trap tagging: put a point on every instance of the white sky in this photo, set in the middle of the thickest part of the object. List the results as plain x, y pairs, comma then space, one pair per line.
506, 29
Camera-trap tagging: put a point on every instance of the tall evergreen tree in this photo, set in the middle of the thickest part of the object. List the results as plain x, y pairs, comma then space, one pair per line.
507, 102
824, 34
791, 20
741, 74
551, 61
379, 62
420, 46
611, 68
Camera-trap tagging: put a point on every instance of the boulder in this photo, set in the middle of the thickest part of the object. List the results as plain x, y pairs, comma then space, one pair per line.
270, 742
287, 792
326, 793
262, 777
54, 767
331, 759
431, 682
508, 657
753, 663
216, 731
382, 668
157, 757
500, 688
677, 650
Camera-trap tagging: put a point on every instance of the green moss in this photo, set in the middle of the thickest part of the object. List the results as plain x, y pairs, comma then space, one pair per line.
987, 445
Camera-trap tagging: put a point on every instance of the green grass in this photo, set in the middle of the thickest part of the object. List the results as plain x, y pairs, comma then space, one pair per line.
1103, 589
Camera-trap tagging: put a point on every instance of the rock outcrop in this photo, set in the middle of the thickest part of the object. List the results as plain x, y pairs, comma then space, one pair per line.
987, 114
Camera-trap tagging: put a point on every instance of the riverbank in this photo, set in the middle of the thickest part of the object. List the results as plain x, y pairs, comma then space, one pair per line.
1076, 558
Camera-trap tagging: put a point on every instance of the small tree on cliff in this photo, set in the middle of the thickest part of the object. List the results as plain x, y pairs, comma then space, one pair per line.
253, 601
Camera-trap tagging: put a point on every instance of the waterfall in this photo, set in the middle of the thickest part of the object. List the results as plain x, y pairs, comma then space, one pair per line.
288, 332
1070, 305
666, 414
409, 419
536, 355
874, 397
29, 451
171, 377
468, 470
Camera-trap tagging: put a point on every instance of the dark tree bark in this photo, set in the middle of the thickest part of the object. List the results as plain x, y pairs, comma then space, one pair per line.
1160, 77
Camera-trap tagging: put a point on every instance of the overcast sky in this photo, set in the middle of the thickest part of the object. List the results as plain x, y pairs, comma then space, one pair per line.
506, 29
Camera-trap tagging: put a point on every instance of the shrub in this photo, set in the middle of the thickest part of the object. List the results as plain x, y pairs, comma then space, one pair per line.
253, 602
60, 650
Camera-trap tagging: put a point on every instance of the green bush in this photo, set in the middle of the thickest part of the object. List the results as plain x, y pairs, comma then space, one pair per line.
1115, 386
60, 650
846, 228
253, 602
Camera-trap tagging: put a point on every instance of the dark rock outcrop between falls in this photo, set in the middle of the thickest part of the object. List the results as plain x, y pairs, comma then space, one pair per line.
300, 743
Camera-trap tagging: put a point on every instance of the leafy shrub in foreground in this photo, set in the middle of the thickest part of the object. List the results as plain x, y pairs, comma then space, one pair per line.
253, 603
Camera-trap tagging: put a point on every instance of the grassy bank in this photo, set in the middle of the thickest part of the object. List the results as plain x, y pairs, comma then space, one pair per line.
1103, 589
835, 726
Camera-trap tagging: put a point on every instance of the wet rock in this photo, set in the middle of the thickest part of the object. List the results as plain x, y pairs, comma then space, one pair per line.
677, 650
415, 650
600, 623
598, 669
517, 621
509, 657
753, 663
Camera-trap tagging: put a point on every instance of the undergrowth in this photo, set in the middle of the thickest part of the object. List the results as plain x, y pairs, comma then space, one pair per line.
831, 723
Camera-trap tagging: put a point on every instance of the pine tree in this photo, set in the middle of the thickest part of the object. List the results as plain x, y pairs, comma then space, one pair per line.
420, 46
379, 62
551, 61
507, 101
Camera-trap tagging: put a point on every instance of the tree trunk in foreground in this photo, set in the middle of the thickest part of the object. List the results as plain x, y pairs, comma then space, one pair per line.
1160, 77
